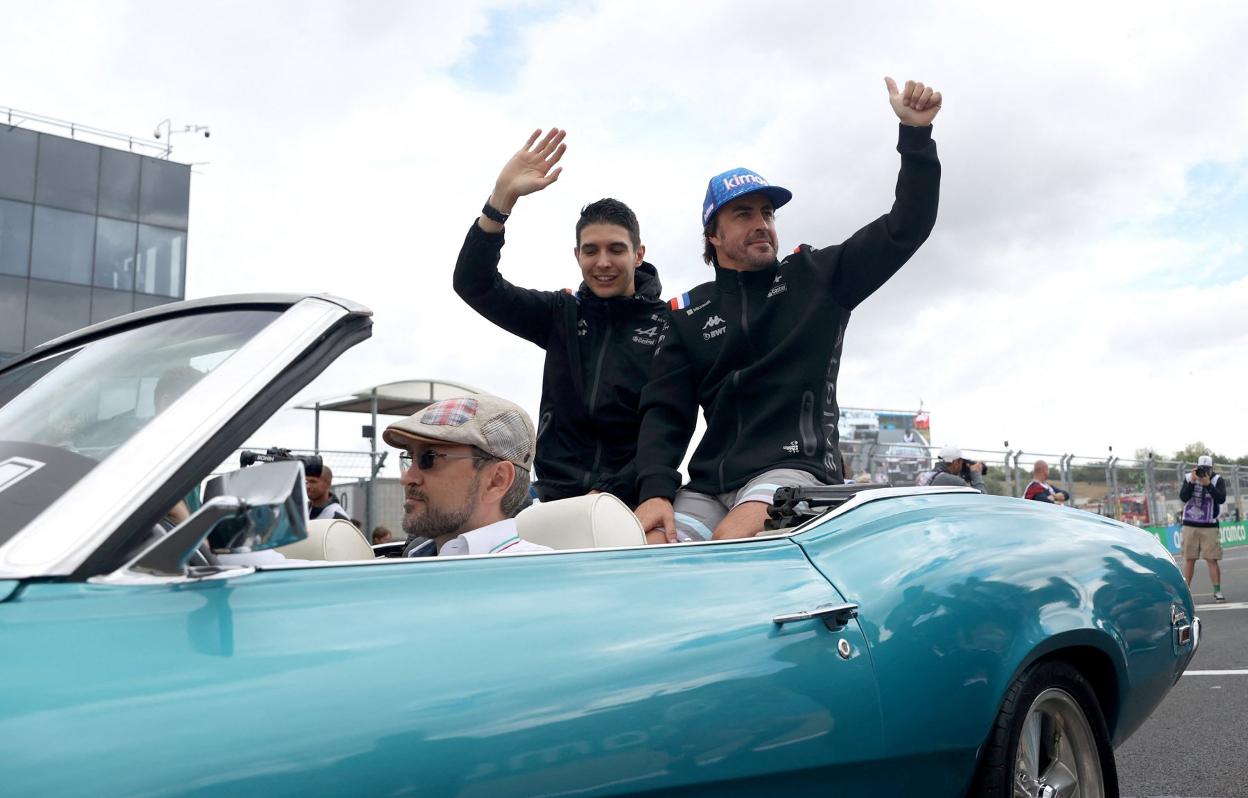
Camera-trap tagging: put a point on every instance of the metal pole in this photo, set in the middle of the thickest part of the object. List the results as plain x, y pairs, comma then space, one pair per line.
1018, 478
316, 429
371, 493
1113, 470
1150, 490
1009, 479
1238, 498
1068, 476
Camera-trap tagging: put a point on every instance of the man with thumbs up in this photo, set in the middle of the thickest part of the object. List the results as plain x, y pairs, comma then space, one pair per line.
759, 347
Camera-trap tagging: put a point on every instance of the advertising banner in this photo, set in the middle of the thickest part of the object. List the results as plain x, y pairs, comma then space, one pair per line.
1234, 533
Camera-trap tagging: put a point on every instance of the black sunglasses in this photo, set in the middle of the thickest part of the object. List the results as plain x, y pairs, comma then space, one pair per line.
427, 458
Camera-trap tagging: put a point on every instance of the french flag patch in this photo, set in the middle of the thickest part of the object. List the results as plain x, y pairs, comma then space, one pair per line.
679, 303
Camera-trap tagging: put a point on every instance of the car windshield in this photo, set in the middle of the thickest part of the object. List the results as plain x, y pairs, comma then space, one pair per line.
64, 414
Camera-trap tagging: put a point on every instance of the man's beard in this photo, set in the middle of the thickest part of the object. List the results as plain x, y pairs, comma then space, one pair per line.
435, 522
755, 260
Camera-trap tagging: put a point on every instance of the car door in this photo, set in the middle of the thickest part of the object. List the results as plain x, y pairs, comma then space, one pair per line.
589, 673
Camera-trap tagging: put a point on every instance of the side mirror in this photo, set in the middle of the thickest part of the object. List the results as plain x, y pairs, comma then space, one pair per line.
273, 510
255, 508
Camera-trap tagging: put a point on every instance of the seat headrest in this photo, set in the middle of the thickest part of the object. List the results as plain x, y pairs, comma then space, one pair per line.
586, 522
330, 539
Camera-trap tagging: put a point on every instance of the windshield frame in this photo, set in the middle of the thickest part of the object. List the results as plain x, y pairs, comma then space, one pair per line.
66, 533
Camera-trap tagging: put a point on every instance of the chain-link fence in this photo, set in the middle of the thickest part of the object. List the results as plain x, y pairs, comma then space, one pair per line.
1141, 492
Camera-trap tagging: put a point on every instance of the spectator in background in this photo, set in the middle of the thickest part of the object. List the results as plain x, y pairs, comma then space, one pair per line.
1202, 494
954, 469
1039, 488
382, 534
321, 502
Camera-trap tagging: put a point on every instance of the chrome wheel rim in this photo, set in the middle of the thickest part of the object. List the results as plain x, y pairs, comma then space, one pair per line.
1057, 752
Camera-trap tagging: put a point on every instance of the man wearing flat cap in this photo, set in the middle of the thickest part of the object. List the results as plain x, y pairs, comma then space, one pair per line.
466, 464
759, 347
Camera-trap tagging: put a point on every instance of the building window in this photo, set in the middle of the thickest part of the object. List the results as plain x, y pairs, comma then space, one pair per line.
55, 309
14, 238
115, 254
69, 174
63, 246
162, 255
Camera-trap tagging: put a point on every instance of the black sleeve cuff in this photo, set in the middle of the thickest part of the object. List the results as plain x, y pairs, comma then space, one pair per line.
657, 485
911, 138
477, 233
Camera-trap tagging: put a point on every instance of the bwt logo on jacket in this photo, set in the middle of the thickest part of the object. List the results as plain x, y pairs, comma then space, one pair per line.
713, 321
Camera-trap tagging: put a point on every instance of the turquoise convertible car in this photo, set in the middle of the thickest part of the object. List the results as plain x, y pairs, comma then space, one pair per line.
897, 642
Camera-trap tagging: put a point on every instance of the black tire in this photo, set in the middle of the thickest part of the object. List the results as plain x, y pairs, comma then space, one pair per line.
1063, 691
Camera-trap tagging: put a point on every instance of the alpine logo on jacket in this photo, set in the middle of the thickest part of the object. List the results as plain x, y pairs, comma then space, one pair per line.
778, 287
646, 336
716, 322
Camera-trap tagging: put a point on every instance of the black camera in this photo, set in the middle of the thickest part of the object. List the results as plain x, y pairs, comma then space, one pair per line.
312, 463
1203, 471
966, 469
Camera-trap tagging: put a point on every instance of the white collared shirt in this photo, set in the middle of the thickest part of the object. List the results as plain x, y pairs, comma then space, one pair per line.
500, 537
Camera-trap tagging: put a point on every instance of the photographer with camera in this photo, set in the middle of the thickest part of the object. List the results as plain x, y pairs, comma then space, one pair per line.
1203, 494
954, 469
318, 480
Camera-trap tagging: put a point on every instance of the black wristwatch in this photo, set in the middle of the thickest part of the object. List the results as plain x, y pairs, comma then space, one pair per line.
494, 214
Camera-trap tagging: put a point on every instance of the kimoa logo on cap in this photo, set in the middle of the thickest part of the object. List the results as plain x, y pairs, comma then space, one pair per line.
740, 180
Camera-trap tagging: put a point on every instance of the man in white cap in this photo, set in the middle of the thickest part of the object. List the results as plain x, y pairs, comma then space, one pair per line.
466, 464
1203, 494
955, 469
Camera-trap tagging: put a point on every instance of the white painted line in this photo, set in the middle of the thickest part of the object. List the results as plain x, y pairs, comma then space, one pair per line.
1241, 672
1223, 605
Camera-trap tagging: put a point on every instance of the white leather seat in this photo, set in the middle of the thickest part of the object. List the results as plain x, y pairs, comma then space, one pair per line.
585, 522
330, 539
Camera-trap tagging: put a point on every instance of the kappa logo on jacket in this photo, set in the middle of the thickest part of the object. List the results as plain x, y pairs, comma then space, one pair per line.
582, 327
718, 323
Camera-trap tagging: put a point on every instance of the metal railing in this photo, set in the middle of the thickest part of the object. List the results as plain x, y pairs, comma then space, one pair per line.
14, 118
1142, 492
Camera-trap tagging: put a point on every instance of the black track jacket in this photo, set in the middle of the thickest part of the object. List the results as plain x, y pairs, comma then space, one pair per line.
598, 354
760, 351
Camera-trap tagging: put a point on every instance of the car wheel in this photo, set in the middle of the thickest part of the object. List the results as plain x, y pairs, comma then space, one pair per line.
1049, 740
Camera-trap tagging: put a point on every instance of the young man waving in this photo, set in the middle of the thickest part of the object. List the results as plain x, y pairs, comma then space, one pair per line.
599, 340
759, 347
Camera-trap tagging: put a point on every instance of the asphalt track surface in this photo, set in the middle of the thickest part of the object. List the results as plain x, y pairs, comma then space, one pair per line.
1195, 745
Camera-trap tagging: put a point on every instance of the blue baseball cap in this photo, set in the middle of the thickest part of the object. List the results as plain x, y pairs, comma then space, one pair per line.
727, 186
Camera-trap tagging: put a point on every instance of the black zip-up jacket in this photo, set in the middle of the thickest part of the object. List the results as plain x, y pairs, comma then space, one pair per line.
760, 351
598, 354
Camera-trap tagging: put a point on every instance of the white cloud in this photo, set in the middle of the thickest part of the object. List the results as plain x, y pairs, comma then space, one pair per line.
350, 154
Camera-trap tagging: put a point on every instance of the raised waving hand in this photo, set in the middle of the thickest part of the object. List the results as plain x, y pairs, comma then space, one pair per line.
531, 169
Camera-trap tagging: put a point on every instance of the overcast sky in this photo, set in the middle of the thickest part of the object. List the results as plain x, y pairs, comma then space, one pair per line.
1086, 283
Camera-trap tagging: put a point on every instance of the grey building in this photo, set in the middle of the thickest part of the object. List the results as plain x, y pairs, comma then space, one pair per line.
86, 233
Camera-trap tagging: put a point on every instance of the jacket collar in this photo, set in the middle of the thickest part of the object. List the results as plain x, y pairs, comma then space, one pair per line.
646, 284
727, 280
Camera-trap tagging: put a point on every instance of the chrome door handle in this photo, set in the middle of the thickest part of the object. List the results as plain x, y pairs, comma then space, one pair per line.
834, 616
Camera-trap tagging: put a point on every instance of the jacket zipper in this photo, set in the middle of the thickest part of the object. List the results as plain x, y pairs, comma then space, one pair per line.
736, 377
593, 399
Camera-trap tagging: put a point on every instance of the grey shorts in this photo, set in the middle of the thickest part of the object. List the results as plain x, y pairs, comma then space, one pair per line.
697, 514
